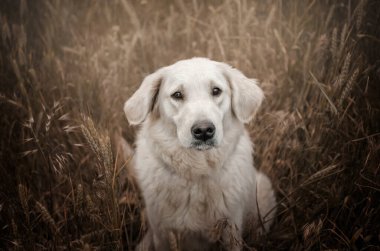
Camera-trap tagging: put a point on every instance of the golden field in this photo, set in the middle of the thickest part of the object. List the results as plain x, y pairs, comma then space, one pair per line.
67, 67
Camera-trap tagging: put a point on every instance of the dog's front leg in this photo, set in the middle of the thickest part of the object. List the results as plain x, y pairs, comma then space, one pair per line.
161, 243
146, 244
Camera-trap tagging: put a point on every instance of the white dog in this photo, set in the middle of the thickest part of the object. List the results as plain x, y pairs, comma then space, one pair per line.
193, 160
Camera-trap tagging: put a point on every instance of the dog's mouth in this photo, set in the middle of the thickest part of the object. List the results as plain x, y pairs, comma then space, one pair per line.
203, 145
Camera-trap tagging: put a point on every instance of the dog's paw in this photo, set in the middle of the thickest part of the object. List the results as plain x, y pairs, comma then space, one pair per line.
266, 201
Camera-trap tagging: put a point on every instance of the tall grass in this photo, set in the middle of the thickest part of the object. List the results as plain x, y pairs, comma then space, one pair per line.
66, 67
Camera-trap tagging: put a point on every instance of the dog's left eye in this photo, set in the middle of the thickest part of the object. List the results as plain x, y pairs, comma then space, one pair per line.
177, 95
216, 91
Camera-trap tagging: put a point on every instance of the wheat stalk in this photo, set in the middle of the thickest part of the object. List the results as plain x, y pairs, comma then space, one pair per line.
334, 44
90, 204
329, 16
344, 72
47, 218
89, 236
347, 89
93, 211
360, 13
343, 37
323, 173
23, 195
79, 199
311, 229
105, 66
14, 228
92, 137
105, 146
101, 146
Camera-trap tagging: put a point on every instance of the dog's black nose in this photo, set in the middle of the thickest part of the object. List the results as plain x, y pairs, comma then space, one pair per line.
203, 130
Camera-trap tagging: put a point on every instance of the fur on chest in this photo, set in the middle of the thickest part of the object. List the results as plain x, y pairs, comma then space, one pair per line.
189, 205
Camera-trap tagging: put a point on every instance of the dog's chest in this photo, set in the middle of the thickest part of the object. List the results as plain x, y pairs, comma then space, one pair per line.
190, 205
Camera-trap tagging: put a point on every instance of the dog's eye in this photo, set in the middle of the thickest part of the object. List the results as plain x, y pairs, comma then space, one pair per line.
216, 91
177, 95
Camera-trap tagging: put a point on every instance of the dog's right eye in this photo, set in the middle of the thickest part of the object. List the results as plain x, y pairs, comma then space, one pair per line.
177, 95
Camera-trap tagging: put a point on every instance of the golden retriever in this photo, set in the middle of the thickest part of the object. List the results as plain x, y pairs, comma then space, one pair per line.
193, 160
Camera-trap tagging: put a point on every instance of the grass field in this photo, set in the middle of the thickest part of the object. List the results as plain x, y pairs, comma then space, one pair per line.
66, 68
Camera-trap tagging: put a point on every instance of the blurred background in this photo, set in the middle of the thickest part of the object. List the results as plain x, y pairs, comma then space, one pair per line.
67, 67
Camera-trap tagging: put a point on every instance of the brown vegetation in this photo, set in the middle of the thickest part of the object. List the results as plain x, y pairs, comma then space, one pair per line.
66, 67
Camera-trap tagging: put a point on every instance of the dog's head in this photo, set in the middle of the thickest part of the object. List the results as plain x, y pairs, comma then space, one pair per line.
199, 97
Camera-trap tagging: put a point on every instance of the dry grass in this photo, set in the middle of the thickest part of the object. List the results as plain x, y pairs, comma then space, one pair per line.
64, 184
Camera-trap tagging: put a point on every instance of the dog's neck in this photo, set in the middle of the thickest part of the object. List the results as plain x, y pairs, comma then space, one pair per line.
191, 163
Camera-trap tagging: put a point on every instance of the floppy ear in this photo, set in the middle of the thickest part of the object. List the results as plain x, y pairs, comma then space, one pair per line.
138, 106
246, 95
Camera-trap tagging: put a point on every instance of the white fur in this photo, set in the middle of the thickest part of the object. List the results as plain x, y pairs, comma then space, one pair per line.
187, 189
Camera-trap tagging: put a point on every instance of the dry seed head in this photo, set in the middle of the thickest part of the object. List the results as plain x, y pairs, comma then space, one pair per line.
343, 37
347, 89
21, 57
218, 229
16, 71
46, 217
321, 173
95, 218
306, 60
129, 9
48, 122
93, 142
234, 238
100, 144
21, 36
360, 12
23, 7
14, 228
334, 44
312, 229
101, 194
222, 228
89, 236
93, 212
79, 200
344, 72
129, 198
321, 46
23, 195
90, 204
33, 75
308, 230
270, 17
91, 127
329, 15
346, 66
5, 32
104, 144
59, 161
109, 152
173, 243
87, 247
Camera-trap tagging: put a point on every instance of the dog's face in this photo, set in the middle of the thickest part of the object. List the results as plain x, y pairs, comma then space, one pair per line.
199, 97
196, 98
